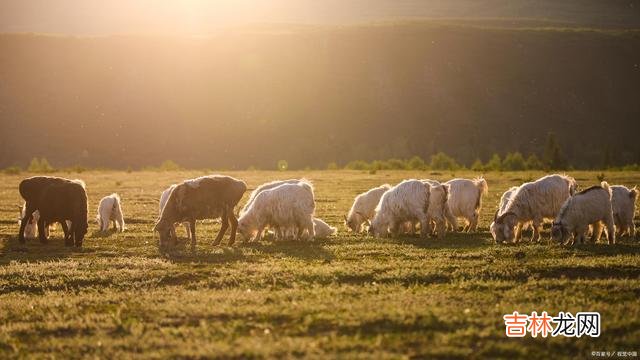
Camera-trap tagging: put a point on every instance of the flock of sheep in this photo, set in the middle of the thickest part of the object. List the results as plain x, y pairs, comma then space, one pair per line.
285, 209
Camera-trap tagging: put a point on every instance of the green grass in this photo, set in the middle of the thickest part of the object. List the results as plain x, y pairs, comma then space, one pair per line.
350, 296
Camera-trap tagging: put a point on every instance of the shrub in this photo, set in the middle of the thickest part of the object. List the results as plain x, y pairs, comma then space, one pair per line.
442, 161
416, 163
40, 166
534, 163
477, 165
13, 170
170, 165
396, 164
357, 165
514, 162
332, 166
495, 164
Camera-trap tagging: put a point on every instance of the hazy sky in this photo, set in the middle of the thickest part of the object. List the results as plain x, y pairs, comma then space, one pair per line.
197, 17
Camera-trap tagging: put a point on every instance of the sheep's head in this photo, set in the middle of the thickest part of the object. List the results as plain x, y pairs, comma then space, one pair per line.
559, 231
245, 229
164, 230
355, 221
378, 227
502, 227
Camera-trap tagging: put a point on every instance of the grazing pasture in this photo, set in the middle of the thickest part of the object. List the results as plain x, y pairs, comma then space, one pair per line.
346, 296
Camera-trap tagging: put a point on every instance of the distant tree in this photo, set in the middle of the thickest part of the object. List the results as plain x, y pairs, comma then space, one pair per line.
332, 166
13, 170
170, 165
477, 165
357, 165
514, 162
416, 163
553, 158
396, 164
40, 166
442, 161
534, 163
494, 164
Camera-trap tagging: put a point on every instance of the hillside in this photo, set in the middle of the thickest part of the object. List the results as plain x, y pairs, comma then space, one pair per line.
312, 95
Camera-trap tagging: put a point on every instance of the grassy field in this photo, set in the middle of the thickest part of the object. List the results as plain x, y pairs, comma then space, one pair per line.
349, 296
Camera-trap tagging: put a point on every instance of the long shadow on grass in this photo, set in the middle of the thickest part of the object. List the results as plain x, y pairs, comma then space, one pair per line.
33, 250
451, 241
305, 250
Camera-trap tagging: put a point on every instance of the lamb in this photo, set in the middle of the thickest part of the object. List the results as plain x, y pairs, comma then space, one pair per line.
588, 207
465, 200
407, 201
110, 209
535, 202
285, 206
31, 190
623, 203
364, 208
322, 229
211, 197
163, 201
31, 228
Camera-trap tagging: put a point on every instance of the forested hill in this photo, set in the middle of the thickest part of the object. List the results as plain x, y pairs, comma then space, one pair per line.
313, 95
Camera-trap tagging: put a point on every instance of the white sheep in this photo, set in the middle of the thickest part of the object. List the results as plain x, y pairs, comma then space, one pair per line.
31, 228
267, 186
623, 203
405, 202
465, 201
286, 206
504, 200
110, 210
322, 229
163, 201
588, 207
535, 202
364, 208
438, 208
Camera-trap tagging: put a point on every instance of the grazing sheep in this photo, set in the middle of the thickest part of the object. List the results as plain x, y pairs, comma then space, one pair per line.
535, 202
588, 207
437, 213
623, 203
322, 229
31, 228
163, 201
284, 207
267, 186
465, 201
209, 197
61, 202
110, 209
31, 190
364, 208
405, 202
504, 200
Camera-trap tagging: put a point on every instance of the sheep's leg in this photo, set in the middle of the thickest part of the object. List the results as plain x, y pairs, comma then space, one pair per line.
441, 228
233, 221
187, 228
597, 232
536, 231
224, 226
70, 240
121, 224
451, 220
28, 216
611, 232
192, 227
424, 227
65, 230
473, 224
41, 233
518, 233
